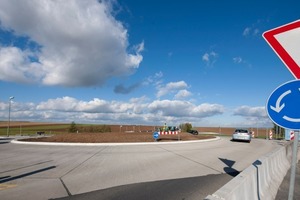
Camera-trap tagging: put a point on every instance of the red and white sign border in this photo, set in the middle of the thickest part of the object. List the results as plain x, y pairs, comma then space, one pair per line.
279, 50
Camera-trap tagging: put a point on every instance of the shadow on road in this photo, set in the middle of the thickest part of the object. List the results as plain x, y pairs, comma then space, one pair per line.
26, 166
255, 164
8, 178
229, 170
192, 188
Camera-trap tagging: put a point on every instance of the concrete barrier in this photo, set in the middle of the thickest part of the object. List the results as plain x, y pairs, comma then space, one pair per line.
259, 181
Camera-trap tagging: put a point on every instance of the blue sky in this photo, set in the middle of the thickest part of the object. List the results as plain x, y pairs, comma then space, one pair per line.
141, 62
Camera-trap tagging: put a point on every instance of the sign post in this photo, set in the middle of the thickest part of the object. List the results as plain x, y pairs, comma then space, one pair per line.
293, 167
281, 106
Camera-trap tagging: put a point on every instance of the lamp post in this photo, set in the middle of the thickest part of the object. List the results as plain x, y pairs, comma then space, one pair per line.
9, 106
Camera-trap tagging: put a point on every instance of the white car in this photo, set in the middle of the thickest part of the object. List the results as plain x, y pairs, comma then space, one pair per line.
241, 135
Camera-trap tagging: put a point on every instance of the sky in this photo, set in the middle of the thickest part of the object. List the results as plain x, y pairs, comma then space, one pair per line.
141, 62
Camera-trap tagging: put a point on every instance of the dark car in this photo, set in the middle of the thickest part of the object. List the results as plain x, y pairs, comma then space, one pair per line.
194, 132
173, 128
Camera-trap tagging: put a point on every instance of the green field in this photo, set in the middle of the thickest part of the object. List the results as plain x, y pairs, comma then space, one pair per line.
51, 129
32, 129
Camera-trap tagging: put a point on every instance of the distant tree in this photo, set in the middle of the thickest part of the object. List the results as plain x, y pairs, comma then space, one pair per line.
73, 128
186, 127
278, 130
189, 126
105, 128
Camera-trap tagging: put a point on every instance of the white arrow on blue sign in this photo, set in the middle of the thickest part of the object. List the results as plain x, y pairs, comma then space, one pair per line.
283, 106
155, 135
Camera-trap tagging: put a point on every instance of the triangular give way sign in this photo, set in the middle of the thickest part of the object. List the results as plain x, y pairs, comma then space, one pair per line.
285, 41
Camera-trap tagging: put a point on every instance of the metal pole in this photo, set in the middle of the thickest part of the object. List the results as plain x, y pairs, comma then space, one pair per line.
293, 167
7, 134
9, 105
257, 131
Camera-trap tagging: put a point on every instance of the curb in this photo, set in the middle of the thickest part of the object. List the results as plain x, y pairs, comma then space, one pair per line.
110, 144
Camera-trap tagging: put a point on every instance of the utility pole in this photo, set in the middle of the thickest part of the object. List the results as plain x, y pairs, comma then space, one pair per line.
9, 107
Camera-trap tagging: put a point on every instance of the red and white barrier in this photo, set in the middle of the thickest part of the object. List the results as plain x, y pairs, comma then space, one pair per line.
292, 135
168, 132
253, 135
270, 135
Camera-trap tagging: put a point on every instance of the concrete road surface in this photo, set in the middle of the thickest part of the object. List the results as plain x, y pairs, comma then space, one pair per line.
155, 171
283, 192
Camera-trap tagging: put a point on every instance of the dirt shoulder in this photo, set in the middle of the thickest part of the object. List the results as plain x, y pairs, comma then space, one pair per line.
117, 137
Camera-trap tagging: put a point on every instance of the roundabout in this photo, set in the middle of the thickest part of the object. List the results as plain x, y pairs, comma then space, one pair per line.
191, 169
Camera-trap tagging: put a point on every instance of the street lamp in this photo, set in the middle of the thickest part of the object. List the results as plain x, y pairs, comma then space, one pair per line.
9, 106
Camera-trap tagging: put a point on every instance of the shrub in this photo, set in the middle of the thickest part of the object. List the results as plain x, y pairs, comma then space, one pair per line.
186, 127
95, 129
73, 128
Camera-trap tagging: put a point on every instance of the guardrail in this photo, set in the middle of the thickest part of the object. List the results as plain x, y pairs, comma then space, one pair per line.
259, 181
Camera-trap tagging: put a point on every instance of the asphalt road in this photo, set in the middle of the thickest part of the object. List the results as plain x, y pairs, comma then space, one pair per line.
156, 171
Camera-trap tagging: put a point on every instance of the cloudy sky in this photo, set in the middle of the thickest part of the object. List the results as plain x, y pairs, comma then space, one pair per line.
140, 62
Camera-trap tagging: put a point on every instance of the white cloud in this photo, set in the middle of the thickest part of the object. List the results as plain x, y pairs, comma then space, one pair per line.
69, 104
237, 60
170, 108
155, 79
251, 31
252, 116
256, 31
207, 110
205, 57
135, 111
210, 58
184, 109
183, 94
246, 31
80, 43
248, 111
240, 60
171, 88
15, 64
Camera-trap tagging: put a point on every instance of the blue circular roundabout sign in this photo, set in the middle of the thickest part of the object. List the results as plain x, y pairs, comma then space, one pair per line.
283, 106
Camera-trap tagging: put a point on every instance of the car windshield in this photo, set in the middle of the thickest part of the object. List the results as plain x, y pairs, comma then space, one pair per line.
241, 131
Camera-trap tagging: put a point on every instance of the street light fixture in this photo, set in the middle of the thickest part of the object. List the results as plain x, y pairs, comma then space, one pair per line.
9, 107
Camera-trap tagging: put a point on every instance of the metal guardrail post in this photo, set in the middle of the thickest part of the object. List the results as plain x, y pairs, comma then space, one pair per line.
293, 167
